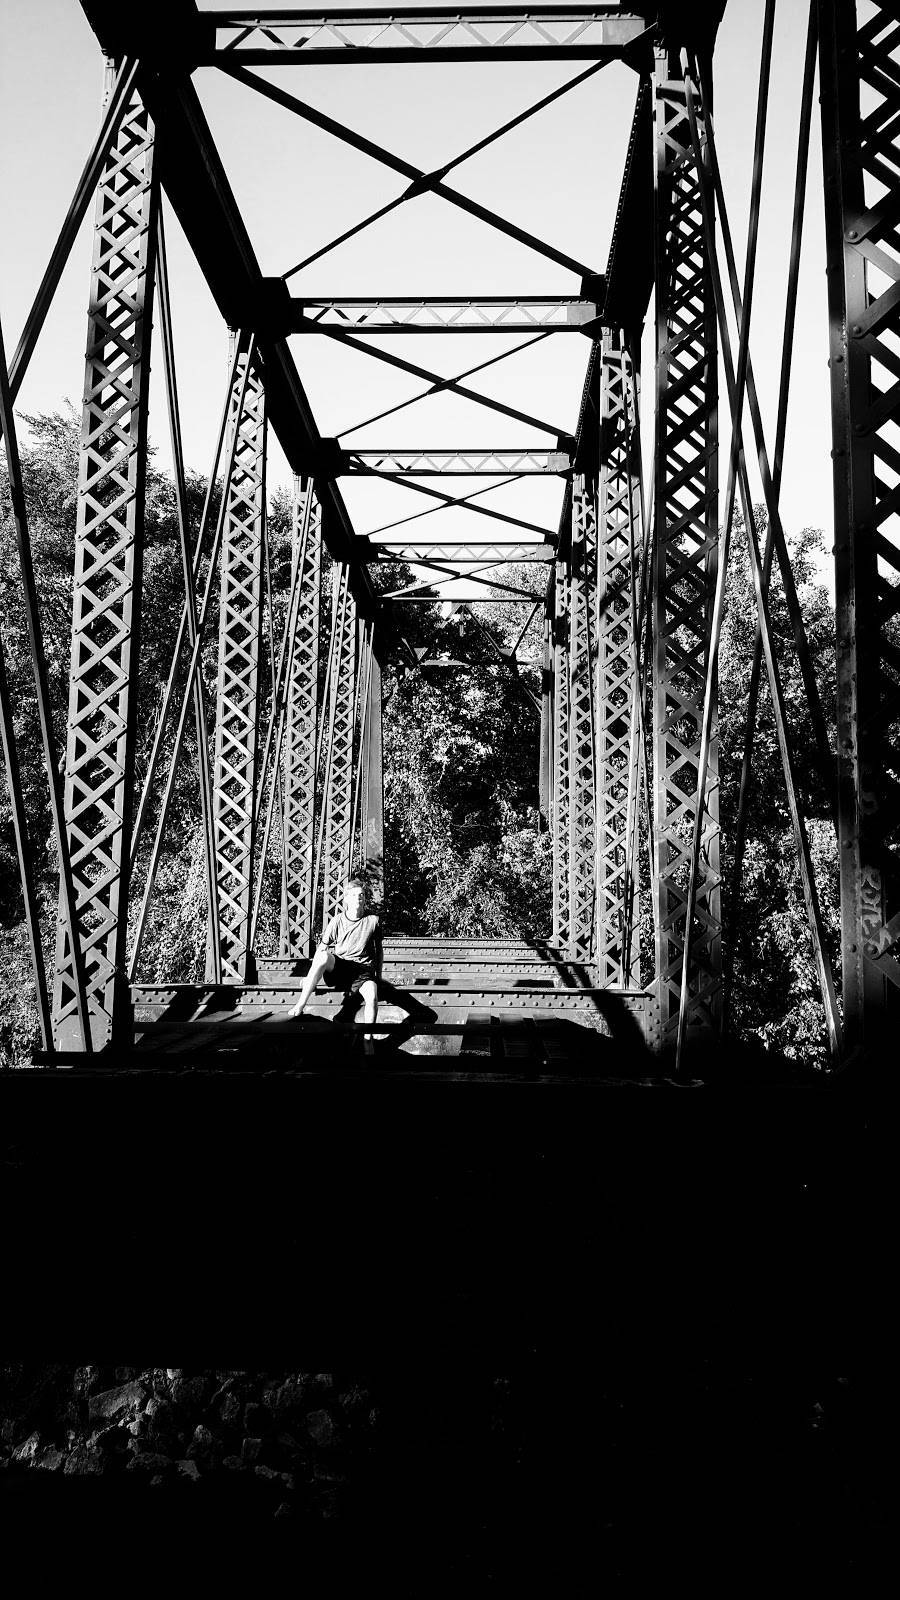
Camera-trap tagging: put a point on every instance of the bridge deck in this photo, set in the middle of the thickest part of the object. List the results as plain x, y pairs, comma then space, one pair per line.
486, 1002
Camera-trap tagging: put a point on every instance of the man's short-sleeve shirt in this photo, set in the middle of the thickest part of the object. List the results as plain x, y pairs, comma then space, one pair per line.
352, 939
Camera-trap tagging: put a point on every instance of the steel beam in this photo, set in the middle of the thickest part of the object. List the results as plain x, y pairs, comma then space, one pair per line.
372, 775
544, 33
617, 731
413, 550
582, 656
561, 775
237, 697
860, 62
338, 797
452, 314
455, 463
684, 565
300, 742
102, 728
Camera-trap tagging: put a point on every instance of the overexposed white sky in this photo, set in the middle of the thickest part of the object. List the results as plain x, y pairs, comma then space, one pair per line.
558, 176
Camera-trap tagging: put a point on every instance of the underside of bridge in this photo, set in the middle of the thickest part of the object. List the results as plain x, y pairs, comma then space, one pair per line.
628, 620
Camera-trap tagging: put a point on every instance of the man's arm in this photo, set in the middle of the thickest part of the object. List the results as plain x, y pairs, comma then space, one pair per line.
329, 934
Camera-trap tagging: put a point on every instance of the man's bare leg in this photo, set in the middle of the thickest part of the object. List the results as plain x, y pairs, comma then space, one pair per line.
369, 994
322, 961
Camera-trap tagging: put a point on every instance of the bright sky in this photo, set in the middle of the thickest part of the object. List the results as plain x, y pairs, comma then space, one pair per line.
559, 176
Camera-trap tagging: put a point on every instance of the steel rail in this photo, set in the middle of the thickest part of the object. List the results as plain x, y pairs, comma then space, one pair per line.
469, 373
24, 856
42, 689
736, 392
452, 575
159, 734
193, 663
114, 111
740, 838
187, 568
807, 875
420, 182
278, 781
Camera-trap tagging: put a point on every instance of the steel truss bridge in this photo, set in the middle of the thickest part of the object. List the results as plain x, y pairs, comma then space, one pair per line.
631, 615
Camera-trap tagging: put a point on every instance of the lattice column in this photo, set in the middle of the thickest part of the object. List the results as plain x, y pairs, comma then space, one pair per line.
301, 732
684, 572
371, 760
545, 757
619, 541
582, 656
237, 700
561, 761
860, 56
338, 799
99, 778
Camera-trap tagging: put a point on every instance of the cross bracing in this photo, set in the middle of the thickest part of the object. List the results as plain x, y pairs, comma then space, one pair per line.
623, 592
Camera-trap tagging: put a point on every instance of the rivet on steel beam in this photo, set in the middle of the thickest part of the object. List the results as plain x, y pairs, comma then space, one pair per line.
852, 233
856, 330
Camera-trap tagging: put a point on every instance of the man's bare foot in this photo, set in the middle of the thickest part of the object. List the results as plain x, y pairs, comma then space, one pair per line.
296, 1010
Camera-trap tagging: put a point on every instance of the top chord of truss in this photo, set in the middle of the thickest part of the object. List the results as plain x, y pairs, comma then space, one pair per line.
469, 552
468, 34
490, 314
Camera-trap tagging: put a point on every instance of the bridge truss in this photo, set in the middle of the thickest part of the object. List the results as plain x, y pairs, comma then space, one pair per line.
629, 613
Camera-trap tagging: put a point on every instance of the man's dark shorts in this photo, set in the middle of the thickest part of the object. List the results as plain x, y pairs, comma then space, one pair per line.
349, 975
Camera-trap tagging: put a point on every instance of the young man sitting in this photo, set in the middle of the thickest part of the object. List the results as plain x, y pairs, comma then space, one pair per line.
349, 952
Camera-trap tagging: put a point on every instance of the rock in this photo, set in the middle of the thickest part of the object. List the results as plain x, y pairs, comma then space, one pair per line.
282, 1511
126, 1374
86, 1380
109, 1438
255, 1418
266, 1472
150, 1461
127, 1398
204, 1448
230, 1410
322, 1383
51, 1460
290, 1396
320, 1427
233, 1463
189, 1469
192, 1392
82, 1461
250, 1450
159, 1421
355, 1399
26, 1453
172, 1372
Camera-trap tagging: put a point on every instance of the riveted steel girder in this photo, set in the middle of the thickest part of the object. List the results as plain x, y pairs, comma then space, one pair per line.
489, 314
337, 819
100, 744
302, 731
860, 97
456, 463
409, 34
237, 698
581, 663
617, 724
685, 564
560, 787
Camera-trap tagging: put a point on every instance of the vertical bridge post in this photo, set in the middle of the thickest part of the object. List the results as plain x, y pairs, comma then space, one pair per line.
337, 800
237, 697
102, 728
859, 54
302, 730
618, 728
582, 656
684, 564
